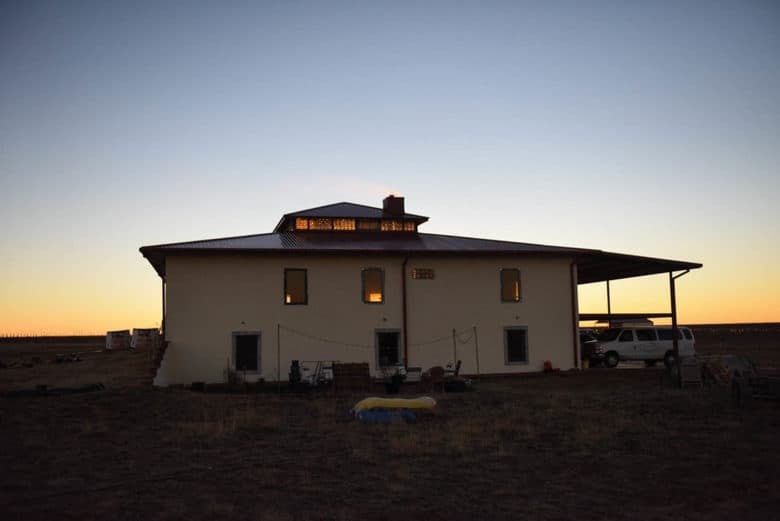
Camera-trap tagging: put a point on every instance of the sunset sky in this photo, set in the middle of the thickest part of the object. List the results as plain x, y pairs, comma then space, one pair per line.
650, 128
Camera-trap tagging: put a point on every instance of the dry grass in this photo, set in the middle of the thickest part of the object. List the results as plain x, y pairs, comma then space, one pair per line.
207, 422
542, 448
619, 444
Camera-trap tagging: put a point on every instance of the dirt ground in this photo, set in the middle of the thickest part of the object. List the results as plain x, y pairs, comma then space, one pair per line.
593, 445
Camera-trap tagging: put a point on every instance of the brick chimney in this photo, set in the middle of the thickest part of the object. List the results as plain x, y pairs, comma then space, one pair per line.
393, 205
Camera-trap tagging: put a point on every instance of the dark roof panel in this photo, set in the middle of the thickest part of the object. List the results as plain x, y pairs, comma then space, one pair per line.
598, 266
313, 242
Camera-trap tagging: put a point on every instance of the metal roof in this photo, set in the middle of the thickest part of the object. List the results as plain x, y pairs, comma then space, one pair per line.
610, 317
348, 210
592, 265
597, 266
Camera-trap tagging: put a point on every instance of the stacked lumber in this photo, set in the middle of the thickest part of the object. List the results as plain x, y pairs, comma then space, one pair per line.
351, 378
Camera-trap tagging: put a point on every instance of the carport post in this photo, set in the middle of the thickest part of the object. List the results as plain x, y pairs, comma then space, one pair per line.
675, 331
675, 344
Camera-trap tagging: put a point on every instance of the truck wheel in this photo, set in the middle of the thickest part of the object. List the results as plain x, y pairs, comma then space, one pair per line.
611, 359
669, 359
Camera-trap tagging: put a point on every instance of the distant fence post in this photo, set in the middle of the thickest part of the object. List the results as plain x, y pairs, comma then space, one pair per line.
476, 348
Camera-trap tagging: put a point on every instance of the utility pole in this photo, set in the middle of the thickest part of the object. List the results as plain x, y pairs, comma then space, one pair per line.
454, 349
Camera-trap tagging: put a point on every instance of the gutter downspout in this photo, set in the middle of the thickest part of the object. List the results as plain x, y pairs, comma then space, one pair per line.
403, 312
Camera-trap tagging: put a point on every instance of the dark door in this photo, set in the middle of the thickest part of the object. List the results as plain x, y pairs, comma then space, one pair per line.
388, 348
246, 353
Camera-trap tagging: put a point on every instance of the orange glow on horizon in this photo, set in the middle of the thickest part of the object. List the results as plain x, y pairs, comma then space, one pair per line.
124, 293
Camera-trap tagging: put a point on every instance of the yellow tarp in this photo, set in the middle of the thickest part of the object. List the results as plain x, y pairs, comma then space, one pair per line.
423, 402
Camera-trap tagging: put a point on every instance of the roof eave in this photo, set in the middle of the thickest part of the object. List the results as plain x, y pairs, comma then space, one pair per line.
157, 255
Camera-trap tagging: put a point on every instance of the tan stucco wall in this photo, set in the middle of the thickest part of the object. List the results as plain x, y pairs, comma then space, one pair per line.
210, 297
466, 293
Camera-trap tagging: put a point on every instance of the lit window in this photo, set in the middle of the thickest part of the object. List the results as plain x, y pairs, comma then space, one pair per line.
510, 285
368, 225
392, 225
295, 286
320, 223
301, 223
409, 226
373, 285
422, 273
516, 345
344, 224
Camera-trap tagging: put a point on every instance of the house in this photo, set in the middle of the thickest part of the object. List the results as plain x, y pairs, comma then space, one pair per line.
353, 283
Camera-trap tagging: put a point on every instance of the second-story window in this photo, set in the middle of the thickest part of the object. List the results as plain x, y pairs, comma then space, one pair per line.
510, 285
295, 291
392, 225
373, 285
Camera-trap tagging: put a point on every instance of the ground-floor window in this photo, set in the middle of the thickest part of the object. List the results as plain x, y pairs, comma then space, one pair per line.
388, 348
516, 345
246, 351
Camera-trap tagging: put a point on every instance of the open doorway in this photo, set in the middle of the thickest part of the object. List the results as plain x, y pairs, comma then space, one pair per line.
246, 351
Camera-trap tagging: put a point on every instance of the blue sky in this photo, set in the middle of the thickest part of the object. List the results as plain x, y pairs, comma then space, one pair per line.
641, 127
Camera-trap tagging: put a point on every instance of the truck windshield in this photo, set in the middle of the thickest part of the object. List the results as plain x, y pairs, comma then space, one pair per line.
608, 335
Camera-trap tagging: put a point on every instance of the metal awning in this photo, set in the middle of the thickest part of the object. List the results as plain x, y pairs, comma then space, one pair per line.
600, 266
607, 317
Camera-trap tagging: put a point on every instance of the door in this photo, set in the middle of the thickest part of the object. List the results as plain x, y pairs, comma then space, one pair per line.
626, 345
388, 348
246, 352
647, 345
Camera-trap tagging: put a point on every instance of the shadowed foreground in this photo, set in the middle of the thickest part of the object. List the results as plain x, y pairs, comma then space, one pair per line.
597, 445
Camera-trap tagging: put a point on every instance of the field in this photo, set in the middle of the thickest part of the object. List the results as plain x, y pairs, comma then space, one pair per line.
600, 444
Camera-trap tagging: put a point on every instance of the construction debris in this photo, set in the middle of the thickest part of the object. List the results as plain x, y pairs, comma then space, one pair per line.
741, 375
67, 358
118, 339
690, 372
148, 338
44, 390
350, 378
